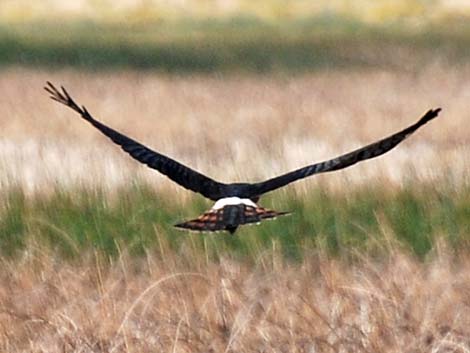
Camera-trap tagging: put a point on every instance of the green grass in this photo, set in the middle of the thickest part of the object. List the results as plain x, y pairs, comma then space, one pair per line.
238, 44
138, 219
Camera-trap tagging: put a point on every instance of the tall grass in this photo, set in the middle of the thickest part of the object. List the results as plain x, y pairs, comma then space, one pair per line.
138, 219
67, 186
374, 258
83, 270
233, 128
186, 302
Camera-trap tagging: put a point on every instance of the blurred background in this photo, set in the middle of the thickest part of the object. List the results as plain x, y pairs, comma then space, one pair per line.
317, 77
227, 35
373, 258
368, 11
239, 90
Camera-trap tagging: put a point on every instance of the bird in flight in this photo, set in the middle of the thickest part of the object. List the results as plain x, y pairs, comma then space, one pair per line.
235, 203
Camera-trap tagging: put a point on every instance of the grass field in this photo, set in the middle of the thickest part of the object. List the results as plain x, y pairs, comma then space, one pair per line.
233, 127
373, 258
139, 219
183, 302
239, 44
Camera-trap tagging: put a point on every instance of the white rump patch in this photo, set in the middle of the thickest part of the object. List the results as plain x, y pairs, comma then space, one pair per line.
232, 201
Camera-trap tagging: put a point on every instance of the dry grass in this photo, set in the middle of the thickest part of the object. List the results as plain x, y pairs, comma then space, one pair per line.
183, 303
232, 127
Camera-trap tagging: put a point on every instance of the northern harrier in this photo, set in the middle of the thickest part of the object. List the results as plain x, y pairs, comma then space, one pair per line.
235, 203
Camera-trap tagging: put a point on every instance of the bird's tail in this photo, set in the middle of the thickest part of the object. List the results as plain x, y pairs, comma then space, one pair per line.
229, 218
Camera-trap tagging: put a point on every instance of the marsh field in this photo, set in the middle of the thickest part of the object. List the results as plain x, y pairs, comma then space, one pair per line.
374, 258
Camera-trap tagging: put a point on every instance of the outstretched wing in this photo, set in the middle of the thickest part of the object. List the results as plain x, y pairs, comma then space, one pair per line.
184, 176
370, 151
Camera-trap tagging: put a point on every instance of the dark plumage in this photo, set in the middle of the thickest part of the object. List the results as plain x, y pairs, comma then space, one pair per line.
246, 192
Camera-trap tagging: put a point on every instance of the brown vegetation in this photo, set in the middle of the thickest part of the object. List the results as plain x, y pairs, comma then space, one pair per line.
184, 303
232, 127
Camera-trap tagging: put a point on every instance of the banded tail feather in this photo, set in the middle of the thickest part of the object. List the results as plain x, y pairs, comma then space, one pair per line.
229, 218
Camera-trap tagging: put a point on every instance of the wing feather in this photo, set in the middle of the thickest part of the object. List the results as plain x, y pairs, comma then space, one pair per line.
370, 151
184, 176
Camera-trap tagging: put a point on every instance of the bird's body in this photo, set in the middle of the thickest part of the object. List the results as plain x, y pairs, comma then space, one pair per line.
235, 202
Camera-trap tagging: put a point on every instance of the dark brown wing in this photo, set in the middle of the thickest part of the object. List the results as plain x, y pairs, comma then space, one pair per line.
184, 176
370, 151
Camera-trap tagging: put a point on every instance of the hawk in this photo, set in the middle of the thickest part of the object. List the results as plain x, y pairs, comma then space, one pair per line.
235, 202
